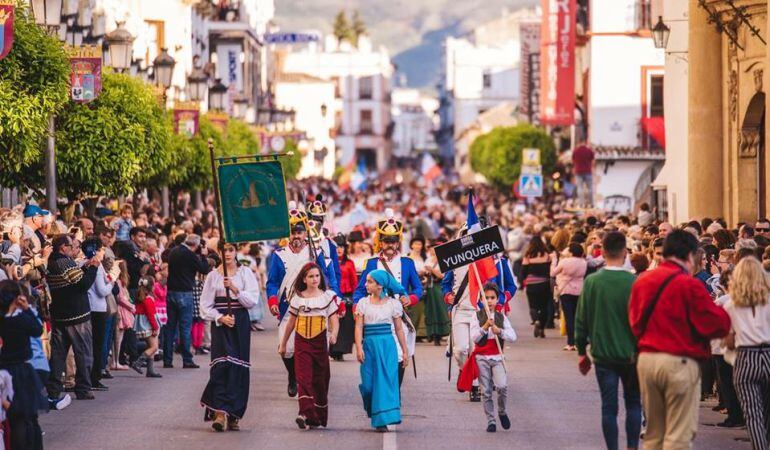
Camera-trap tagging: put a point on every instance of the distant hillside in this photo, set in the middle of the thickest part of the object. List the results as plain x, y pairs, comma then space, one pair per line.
412, 30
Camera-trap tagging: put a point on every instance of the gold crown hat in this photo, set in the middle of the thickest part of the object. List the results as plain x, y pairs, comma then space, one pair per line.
315, 234
317, 208
296, 215
387, 227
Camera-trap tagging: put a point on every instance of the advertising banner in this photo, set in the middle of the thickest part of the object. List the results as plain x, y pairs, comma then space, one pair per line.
86, 75
557, 62
6, 27
529, 33
186, 118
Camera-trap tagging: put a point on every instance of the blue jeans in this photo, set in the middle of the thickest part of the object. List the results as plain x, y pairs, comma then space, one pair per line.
609, 377
585, 188
179, 307
107, 345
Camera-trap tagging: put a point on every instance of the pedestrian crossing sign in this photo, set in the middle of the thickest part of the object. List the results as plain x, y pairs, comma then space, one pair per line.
531, 185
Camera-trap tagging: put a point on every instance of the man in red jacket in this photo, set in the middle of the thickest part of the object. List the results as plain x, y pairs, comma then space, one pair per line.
673, 318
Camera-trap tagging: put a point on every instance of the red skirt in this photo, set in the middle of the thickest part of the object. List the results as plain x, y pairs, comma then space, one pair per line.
311, 364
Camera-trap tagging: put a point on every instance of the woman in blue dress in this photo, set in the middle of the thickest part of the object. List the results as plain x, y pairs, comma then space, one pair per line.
380, 348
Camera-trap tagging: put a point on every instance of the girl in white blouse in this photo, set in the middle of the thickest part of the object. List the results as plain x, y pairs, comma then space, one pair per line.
379, 327
313, 316
225, 301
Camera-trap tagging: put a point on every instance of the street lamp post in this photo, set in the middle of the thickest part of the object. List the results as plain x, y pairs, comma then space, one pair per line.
197, 83
120, 44
163, 68
48, 14
660, 33
217, 96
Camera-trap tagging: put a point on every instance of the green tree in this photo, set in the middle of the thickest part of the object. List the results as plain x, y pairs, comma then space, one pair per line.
341, 28
358, 28
497, 155
291, 163
116, 143
239, 139
33, 85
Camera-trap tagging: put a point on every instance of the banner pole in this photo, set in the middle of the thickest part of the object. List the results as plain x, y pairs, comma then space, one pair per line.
218, 206
486, 309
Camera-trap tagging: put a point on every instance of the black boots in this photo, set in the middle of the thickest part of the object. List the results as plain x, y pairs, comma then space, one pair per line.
151, 373
291, 389
475, 394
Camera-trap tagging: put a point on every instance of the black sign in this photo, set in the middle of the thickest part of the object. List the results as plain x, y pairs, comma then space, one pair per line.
469, 248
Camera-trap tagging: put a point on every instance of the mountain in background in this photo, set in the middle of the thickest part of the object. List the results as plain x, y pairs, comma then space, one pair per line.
412, 30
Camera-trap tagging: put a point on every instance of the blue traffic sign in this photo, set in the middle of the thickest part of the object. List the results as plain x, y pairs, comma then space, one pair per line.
531, 185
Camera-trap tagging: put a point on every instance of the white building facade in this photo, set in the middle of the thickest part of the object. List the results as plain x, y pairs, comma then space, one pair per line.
413, 123
361, 108
625, 102
312, 99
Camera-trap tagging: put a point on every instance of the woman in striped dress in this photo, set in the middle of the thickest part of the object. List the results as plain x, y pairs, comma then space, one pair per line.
227, 392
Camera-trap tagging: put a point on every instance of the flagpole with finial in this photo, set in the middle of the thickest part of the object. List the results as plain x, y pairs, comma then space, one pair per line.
218, 206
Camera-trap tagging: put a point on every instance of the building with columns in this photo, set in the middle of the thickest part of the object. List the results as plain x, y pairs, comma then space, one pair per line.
718, 54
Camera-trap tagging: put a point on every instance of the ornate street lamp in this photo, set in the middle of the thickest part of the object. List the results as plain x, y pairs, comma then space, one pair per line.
120, 43
240, 107
70, 8
217, 96
197, 82
99, 24
85, 13
660, 33
163, 67
47, 12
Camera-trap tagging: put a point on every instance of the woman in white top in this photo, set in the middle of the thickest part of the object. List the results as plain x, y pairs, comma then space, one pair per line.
379, 326
312, 315
750, 316
225, 301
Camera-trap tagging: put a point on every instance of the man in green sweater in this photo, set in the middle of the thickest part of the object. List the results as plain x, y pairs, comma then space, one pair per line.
602, 323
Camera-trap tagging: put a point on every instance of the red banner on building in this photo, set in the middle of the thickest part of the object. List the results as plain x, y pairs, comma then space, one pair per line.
186, 116
86, 75
557, 62
6, 27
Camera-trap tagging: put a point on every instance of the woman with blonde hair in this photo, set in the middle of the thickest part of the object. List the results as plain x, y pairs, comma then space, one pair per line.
750, 316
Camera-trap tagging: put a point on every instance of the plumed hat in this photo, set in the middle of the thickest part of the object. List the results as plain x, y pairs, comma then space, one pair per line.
387, 228
296, 215
317, 208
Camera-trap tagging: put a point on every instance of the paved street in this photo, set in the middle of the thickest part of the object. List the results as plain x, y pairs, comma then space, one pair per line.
550, 404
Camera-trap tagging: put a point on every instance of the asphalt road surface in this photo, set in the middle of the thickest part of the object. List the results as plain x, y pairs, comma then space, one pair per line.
550, 404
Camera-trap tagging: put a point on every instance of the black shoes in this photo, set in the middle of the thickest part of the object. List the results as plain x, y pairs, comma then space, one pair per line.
475, 394
168, 365
491, 428
190, 365
291, 389
98, 386
85, 396
301, 422
107, 375
730, 423
505, 422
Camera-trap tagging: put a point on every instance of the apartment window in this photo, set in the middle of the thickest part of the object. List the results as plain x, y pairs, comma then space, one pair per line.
337, 87
365, 87
156, 39
486, 79
643, 14
366, 126
656, 96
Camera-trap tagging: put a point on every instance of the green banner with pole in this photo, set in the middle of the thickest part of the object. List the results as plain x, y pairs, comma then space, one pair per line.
253, 201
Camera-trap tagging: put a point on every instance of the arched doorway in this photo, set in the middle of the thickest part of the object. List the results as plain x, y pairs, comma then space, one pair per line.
752, 144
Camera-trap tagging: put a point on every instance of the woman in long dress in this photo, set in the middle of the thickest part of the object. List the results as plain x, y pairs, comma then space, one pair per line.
348, 283
312, 311
379, 327
419, 254
227, 392
436, 317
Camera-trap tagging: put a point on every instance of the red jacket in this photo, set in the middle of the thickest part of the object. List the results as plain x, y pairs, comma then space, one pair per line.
147, 307
685, 318
349, 279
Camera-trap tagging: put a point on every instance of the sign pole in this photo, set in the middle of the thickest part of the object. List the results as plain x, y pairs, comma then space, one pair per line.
486, 309
218, 207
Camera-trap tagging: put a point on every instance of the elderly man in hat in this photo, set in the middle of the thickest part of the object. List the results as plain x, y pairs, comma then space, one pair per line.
387, 246
34, 222
284, 267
